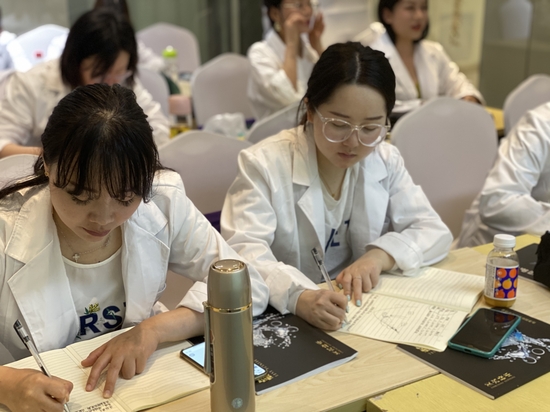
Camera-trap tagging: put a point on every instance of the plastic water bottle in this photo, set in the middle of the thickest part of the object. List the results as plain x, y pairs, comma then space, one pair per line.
170, 56
502, 272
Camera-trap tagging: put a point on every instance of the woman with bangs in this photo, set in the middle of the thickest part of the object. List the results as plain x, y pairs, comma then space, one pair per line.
86, 242
101, 48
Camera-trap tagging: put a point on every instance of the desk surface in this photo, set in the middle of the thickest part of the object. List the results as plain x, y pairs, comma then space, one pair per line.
427, 395
378, 368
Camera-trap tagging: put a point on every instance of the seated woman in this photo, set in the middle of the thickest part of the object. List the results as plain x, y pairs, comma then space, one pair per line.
97, 226
334, 185
282, 63
516, 196
422, 68
101, 48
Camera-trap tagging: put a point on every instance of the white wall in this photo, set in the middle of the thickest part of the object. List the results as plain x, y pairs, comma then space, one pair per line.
19, 16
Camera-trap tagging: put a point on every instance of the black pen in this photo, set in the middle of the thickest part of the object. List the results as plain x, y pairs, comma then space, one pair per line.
25, 338
324, 272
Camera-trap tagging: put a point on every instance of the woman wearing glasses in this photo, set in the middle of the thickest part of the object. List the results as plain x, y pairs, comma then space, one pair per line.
282, 63
334, 185
100, 48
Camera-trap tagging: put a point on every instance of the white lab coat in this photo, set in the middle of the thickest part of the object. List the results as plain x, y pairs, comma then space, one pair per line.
166, 233
273, 214
437, 74
30, 97
515, 198
269, 88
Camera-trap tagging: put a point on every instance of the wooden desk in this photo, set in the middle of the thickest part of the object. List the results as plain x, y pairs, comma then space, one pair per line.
443, 394
379, 367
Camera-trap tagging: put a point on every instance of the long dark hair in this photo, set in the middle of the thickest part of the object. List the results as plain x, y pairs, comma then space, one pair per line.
102, 33
349, 63
390, 4
97, 135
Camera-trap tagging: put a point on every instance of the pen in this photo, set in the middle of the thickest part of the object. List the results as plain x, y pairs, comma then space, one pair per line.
323, 269
25, 338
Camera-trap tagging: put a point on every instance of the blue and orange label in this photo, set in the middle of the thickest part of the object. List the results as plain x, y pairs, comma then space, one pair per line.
505, 282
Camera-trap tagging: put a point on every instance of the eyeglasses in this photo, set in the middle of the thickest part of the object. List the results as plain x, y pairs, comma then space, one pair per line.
298, 5
337, 131
118, 78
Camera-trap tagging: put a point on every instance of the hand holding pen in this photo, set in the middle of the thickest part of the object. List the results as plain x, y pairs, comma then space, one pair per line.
47, 395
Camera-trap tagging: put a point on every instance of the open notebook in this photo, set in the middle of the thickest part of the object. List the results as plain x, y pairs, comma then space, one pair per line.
166, 377
425, 310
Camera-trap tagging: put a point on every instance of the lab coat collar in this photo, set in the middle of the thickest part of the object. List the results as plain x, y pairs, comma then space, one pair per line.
399, 68
42, 297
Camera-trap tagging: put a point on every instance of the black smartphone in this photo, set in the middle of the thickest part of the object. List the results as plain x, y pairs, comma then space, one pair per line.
195, 355
484, 332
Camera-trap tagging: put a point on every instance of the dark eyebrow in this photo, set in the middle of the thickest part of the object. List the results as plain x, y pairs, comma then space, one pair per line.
347, 117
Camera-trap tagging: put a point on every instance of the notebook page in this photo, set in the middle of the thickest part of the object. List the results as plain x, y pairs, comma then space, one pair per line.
403, 321
455, 290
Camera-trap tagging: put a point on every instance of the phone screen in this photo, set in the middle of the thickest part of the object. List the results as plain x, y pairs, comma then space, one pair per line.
485, 330
195, 354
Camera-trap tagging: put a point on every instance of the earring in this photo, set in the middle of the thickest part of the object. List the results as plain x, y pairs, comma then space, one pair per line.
277, 26
46, 174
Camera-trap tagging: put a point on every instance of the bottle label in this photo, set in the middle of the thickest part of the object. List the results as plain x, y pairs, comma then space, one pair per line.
501, 282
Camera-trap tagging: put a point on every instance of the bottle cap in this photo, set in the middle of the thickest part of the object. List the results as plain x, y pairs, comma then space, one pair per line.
504, 241
228, 285
169, 52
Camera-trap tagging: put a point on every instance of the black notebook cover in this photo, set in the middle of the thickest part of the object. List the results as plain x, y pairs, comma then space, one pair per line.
527, 260
290, 349
523, 357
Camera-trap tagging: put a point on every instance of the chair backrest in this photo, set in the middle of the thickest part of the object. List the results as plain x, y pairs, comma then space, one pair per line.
155, 84
160, 35
15, 167
219, 86
448, 146
32, 47
532, 92
273, 124
207, 163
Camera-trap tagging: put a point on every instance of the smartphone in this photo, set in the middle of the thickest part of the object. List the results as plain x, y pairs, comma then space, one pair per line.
484, 332
195, 355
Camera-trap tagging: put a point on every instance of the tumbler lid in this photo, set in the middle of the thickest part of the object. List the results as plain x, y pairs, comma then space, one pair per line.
229, 285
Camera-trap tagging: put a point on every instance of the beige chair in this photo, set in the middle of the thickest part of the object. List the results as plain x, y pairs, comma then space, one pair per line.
161, 35
16, 167
530, 93
448, 146
219, 86
155, 84
273, 124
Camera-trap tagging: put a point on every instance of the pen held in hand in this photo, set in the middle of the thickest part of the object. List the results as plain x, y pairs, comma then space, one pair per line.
25, 338
324, 272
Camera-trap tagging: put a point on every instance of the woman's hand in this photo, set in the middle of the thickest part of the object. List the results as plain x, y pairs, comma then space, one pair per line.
322, 308
293, 26
472, 99
30, 390
362, 275
126, 354
316, 33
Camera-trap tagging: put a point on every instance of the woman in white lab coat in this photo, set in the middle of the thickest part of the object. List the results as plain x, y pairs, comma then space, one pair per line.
101, 48
86, 242
282, 63
516, 196
422, 68
332, 184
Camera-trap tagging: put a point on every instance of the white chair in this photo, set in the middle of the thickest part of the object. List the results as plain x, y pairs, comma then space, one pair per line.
15, 167
155, 84
530, 93
33, 46
449, 146
283, 119
160, 35
219, 86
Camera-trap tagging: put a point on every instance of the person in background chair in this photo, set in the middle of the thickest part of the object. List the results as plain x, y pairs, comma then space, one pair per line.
282, 63
515, 198
101, 48
332, 184
422, 68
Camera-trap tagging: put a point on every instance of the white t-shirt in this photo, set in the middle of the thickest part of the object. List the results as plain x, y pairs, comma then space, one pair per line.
98, 294
338, 253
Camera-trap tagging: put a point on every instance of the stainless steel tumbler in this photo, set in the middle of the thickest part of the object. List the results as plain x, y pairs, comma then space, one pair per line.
229, 358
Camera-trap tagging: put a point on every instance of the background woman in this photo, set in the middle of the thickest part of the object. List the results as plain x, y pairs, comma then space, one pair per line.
282, 63
85, 245
101, 48
332, 184
422, 68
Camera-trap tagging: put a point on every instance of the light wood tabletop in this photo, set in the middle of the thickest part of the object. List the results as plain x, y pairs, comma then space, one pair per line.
443, 394
379, 367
